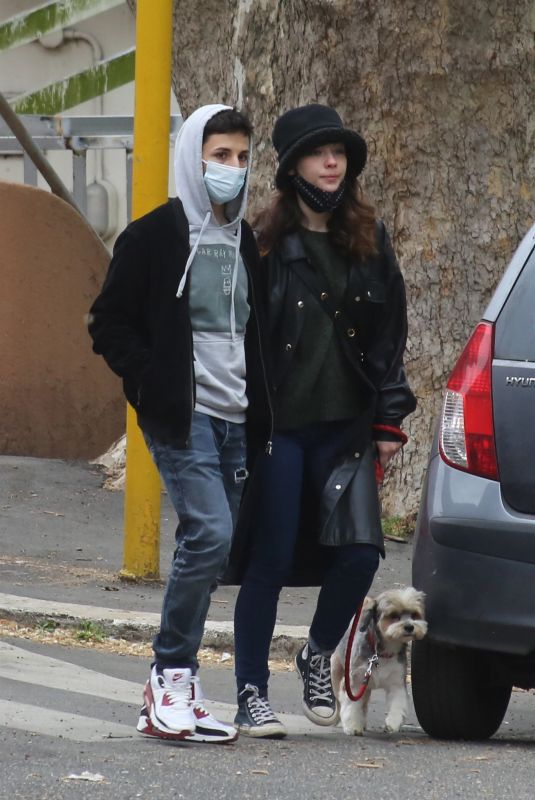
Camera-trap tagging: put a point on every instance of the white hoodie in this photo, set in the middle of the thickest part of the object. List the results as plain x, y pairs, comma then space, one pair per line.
218, 284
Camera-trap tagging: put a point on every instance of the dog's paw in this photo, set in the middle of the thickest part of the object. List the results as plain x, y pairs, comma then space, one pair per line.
392, 728
393, 724
353, 730
394, 720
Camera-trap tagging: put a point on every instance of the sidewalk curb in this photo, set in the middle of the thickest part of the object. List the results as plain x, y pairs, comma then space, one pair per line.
133, 625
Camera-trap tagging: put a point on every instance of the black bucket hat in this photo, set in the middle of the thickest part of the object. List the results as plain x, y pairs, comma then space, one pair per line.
305, 127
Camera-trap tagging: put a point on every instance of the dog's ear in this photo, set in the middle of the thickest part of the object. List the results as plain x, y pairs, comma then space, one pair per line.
419, 599
368, 616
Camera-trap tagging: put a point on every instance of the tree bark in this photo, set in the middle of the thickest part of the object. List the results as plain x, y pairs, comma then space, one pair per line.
442, 91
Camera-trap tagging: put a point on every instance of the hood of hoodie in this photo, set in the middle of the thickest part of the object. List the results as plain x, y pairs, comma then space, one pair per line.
189, 182
218, 282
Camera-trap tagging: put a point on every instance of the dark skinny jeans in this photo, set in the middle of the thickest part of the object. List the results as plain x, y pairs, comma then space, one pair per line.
309, 453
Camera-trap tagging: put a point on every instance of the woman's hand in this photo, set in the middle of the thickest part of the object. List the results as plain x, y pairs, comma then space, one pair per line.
387, 451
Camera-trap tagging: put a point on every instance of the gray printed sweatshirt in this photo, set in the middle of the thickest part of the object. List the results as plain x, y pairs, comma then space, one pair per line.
218, 285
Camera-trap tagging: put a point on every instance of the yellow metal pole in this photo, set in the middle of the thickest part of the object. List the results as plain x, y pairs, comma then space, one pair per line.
150, 184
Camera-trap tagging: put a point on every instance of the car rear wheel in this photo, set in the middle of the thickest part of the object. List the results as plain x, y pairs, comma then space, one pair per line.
452, 698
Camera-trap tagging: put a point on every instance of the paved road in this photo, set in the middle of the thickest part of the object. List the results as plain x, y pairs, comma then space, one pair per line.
61, 538
65, 711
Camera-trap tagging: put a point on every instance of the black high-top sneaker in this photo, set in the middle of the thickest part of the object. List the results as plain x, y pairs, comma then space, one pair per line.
319, 701
255, 717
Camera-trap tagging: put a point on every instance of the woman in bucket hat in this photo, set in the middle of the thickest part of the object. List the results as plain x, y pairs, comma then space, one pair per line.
335, 302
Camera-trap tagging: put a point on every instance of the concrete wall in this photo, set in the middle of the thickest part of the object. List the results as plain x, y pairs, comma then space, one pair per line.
57, 399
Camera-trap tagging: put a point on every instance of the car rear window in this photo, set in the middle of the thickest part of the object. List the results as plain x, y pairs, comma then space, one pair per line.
515, 327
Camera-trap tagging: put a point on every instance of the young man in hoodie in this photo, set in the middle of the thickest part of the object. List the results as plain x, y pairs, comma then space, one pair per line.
176, 319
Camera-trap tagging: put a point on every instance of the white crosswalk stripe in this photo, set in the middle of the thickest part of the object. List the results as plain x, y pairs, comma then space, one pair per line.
18, 664
24, 666
27, 667
34, 719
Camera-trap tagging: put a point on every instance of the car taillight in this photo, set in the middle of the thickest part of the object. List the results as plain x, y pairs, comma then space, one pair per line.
467, 425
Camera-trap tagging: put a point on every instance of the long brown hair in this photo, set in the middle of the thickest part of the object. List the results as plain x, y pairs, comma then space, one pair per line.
351, 225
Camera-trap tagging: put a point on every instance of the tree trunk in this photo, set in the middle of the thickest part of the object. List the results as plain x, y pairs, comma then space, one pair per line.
442, 91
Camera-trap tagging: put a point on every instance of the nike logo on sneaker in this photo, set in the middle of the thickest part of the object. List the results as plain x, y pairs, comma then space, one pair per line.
167, 700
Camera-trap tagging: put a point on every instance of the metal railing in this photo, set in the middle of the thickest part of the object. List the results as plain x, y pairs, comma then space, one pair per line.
79, 134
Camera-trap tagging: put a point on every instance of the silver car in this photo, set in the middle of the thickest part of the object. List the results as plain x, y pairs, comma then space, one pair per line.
474, 548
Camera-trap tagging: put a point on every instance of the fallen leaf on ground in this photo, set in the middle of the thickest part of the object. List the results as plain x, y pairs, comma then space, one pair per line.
259, 772
66, 636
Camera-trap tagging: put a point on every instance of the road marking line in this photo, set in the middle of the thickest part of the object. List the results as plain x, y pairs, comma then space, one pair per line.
34, 719
25, 666
16, 604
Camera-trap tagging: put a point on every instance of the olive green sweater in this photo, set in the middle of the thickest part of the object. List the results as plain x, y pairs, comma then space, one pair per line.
321, 384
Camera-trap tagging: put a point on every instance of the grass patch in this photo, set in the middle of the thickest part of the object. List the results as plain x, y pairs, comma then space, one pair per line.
399, 529
88, 631
47, 625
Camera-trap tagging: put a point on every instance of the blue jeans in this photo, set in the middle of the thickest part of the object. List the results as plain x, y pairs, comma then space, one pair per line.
309, 453
205, 483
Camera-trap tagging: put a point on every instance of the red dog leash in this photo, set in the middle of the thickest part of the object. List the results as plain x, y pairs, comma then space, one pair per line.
374, 660
400, 435
347, 664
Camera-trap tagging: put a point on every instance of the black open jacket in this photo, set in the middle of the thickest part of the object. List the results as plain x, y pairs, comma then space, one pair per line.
372, 327
372, 330
144, 331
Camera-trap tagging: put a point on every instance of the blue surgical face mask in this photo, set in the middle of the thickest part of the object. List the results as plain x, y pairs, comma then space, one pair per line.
223, 183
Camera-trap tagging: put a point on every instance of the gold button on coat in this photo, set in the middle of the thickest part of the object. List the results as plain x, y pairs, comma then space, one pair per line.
300, 304
351, 332
324, 296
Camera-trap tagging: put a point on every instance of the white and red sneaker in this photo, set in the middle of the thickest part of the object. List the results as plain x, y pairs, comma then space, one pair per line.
144, 725
168, 700
207, 728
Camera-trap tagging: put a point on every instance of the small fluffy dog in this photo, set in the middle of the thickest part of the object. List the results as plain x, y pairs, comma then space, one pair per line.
379, 657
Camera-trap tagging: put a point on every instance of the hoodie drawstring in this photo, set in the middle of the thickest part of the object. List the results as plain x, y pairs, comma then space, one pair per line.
234, 284
193, 251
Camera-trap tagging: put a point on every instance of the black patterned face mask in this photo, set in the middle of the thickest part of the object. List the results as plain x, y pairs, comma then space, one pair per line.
317, 199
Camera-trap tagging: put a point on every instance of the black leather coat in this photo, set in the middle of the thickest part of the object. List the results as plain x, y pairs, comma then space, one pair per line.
372, 329
374, 308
